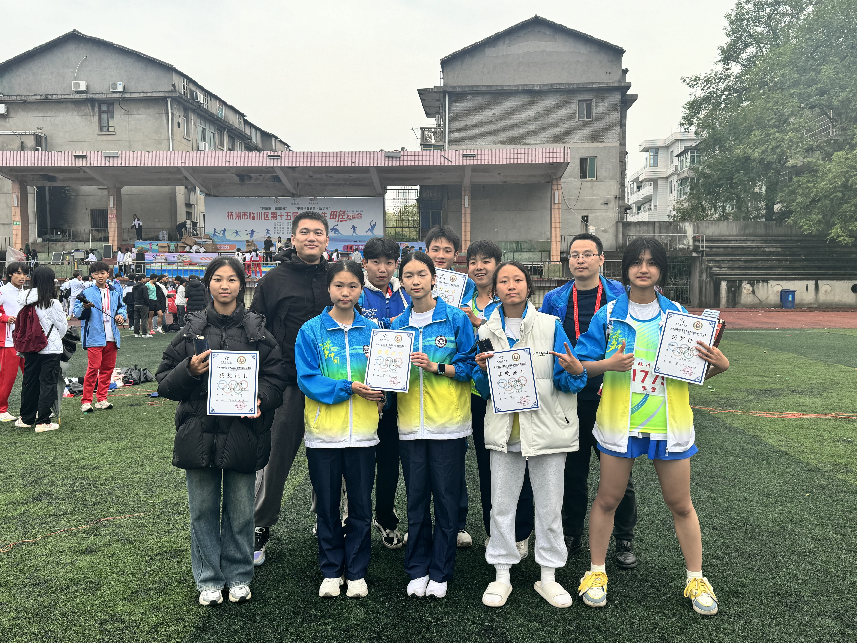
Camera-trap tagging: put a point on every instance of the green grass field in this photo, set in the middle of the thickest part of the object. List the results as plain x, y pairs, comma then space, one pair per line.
775, 497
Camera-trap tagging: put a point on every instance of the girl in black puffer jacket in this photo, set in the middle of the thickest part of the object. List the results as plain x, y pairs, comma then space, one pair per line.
195, 294
220, 451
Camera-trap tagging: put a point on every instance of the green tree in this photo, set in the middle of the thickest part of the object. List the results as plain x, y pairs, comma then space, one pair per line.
776, 116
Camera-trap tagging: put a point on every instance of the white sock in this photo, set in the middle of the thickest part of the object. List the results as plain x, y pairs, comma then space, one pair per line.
503, 575
598, 568
548, 575
691, 574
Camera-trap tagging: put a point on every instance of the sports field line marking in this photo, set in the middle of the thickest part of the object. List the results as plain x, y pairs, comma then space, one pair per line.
7, 548
786, 415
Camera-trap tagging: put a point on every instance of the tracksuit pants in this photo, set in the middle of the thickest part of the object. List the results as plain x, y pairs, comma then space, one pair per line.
287, 433
343, 550
576, 500
10, 363
99, 369
524, 513
387, 466
432, 470
39, 387
141, 320
507, 478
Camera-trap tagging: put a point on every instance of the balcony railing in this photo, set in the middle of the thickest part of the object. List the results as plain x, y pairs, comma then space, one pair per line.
641, 195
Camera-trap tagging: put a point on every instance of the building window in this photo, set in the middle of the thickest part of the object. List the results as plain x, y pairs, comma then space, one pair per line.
671, 187
653, 157
672, 157
211, 140
220, 138
693, 157
587, 168
98, 218
230, 143
105, 117
683, 188
186, 126
184, 87
253, 134
584, 110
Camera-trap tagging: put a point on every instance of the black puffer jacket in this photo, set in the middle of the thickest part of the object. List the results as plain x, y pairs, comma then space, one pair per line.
202, 440
288, 296
141, 294
194, 292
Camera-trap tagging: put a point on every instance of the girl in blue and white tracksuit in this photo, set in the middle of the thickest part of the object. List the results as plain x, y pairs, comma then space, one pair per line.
434, 422
341, 428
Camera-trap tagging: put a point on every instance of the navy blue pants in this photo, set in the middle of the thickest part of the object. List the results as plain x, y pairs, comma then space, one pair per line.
432, 470
387, 465
343, 550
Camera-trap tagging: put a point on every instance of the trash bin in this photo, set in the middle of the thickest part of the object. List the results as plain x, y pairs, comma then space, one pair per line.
787, 298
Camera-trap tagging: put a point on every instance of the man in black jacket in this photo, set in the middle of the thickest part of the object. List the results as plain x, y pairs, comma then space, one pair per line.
288, 296
141, 306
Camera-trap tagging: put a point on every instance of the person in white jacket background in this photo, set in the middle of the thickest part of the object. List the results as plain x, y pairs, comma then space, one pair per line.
42, 369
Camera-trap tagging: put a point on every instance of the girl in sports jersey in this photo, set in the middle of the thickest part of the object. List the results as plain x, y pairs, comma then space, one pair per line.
642, 414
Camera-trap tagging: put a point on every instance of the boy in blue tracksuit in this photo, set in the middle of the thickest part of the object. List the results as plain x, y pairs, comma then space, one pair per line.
383, 298
575, 304
100, 317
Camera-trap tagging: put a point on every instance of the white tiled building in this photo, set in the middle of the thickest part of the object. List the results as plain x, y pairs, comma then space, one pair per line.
652, 191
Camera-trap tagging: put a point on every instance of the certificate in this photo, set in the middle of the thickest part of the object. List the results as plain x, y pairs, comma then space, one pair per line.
677, 357
389, 366
233, 382
512, 381
449, 285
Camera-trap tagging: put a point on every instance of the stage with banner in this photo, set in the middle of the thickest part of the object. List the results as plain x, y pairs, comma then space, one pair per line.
353, 221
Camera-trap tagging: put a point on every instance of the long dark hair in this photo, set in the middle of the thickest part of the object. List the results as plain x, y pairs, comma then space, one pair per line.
42, 281
216, 264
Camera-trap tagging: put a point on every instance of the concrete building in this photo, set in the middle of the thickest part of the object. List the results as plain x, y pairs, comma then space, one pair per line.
664, 179
535, 84
80, 93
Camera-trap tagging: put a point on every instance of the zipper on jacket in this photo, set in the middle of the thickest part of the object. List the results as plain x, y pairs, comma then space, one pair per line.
422, 419
351, 398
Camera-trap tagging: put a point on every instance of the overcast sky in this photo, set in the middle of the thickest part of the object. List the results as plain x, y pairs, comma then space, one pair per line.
343, 75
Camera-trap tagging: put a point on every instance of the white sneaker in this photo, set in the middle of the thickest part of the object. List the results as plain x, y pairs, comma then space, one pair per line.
7, 417
86, 407
463, 540
357, 588
438, 590
417, 587
51, 426
103, 406
136, 335
330, 587
239, 594
21, 425
211, 597
160, 330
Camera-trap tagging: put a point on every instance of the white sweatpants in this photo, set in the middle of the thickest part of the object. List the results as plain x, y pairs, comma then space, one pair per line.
547, 474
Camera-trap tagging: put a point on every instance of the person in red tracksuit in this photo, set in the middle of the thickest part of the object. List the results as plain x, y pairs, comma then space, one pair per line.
10, 361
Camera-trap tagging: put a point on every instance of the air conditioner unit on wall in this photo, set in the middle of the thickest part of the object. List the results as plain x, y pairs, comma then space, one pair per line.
197, 96
78, 86
117, 87
201, 147
4, 111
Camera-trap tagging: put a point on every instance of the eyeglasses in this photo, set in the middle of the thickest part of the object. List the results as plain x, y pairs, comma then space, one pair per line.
585, 255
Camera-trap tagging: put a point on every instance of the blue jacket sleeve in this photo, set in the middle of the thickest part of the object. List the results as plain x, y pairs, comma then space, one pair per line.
593, 343
562, 379
310, 380
469, 289
480, 379
121, 309
465, 342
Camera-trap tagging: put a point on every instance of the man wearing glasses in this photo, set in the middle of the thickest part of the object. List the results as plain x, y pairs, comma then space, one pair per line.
575, 303
288, 296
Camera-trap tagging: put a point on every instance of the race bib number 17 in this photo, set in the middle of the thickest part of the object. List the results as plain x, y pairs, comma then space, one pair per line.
643, 379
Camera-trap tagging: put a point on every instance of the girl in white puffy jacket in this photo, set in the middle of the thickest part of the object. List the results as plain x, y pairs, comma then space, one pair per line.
42, 369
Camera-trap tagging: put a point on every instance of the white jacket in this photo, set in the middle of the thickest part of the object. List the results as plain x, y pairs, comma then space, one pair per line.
553, 428
54, 316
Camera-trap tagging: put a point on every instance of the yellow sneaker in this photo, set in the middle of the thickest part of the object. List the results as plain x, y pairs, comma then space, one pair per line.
702, 596
593, 589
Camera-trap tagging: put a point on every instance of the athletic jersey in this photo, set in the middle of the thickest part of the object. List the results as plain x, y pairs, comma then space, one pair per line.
648, 396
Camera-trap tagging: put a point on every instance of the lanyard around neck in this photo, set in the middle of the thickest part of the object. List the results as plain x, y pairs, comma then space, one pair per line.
597, 306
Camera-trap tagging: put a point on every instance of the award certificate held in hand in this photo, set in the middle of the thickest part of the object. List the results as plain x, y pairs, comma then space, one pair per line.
677, 357
512, 381
233, 382
449, 286
389, 366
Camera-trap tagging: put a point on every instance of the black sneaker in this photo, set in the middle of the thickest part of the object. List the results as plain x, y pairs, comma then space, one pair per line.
574, 544
261, 540
625, 558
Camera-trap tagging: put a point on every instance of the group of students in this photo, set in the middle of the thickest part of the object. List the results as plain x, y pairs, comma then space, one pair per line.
311, 322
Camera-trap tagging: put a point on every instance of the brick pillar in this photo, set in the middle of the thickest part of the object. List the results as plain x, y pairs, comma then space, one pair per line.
114, 217
466, 203
20, 215
556, 219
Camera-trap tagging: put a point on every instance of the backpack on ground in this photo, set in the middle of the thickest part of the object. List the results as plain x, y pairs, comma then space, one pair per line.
29, 336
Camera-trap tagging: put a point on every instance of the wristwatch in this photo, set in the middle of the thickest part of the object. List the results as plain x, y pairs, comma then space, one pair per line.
441, 368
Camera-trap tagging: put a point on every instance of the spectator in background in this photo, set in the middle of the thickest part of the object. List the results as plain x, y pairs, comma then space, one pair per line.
138, 227
152, 289
42, 369
141, 306
10, 362
181, 301
128, 263
268, 245
181, 230
128, 299
120, 262
161, 293
91, 258
197, 298
256, 263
